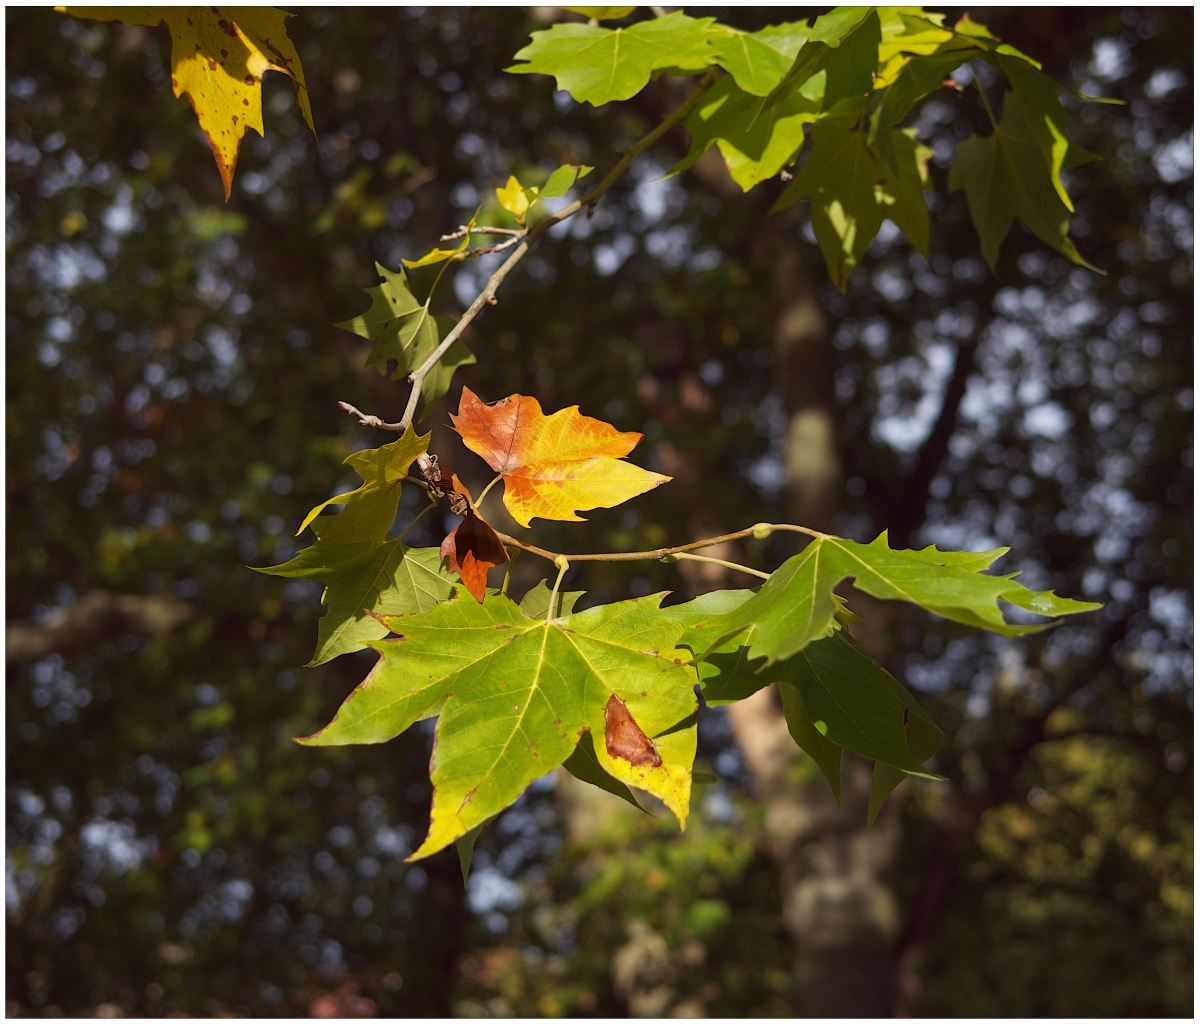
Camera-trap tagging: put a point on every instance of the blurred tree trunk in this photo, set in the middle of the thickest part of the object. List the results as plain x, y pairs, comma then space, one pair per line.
833, 873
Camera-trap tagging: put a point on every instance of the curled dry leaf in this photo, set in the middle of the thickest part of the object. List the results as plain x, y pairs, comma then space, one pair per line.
552, 465
471, 549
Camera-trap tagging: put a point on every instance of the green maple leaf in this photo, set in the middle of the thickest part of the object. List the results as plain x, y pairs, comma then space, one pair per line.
924, 740
757, 60
403, 331
756, 144
839, 60
852, 190
362, 568
536, 602
370, 508
514, 694
850, 699
1016, 171
602, 13
597, 65
362, 581
797, 605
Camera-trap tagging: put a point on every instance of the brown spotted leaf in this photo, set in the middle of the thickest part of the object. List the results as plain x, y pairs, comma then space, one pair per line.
218, 58
513, 695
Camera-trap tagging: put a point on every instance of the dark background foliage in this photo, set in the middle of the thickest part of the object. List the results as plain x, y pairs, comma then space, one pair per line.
171, 413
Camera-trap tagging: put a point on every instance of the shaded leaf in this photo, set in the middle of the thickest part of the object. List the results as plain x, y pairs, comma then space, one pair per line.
1016, 171
361, 581
826, 753
852, 191
536, 602
465, 847
371, 507
585, 766
471, 549
597, 65
552, 465
403, 330
518, 693
218, 58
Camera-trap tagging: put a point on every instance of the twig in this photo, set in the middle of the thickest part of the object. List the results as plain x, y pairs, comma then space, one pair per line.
464, 228
759, 531
488, 295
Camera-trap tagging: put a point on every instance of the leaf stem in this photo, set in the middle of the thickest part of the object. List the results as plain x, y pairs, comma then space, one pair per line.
419, 516
563, 566
512, 557
717, 561
488, 295
495, 480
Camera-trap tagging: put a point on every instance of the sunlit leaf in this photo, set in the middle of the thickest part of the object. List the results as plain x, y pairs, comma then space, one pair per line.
218, 58
597, 65
518, 693
796, 606
553, 466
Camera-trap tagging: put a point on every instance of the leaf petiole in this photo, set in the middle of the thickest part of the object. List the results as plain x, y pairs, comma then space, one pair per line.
716, 561
495, 480
563, 566
416, 519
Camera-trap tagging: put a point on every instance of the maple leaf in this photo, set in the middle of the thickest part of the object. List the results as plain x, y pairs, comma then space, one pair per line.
553, 465
218, 57
597, 65
514, 695
404, 331
471, 549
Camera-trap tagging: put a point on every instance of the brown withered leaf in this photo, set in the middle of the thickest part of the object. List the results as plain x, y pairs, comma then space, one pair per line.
471, 549
624, 738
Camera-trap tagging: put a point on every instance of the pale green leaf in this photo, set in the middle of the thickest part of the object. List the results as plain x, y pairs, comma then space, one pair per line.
597, 65
756, 144
563, 179
602, 13
757, 60
796, 606
518, 694
536, 601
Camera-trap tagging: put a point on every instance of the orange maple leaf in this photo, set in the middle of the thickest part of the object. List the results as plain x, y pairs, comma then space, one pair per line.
471, 549
552, 465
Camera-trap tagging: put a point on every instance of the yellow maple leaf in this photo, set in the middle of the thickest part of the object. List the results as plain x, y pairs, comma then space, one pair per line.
516, 199
552, 465
218, 57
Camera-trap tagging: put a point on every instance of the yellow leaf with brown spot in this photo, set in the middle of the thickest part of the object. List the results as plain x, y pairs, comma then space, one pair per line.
218, 57
556, 465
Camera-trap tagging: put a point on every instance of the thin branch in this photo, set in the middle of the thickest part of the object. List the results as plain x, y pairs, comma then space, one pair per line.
759, 531
488, 295
464, 228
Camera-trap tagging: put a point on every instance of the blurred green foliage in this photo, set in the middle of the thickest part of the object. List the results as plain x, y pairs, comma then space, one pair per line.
171, 415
